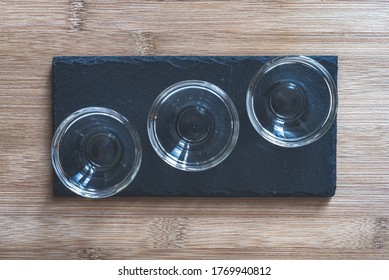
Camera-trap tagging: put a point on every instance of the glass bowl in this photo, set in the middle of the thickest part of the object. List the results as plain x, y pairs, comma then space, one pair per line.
292, 101
193, 125
95, 152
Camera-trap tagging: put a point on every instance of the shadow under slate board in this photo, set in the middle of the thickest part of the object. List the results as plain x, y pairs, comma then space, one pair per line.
255, 167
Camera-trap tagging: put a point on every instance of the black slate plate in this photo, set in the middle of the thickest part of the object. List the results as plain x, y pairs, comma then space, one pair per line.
255, 167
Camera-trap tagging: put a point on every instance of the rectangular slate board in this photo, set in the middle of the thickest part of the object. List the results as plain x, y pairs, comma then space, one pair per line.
255, 167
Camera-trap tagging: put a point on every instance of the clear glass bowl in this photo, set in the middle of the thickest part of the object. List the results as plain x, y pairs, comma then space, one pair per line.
95, 152
292, 101
193, 125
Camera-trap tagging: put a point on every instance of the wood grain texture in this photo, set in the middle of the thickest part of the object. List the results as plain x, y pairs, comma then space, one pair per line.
354, 224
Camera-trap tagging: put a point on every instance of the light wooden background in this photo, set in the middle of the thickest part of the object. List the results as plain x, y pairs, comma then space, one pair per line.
353, 224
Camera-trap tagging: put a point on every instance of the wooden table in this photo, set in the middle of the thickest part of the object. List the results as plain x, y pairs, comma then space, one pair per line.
353, 224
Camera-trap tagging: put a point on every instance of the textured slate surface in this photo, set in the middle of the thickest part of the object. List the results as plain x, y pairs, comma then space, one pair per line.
255, 167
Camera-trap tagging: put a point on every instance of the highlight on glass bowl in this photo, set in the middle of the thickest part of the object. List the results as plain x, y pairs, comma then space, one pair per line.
292, 101
95, 152
193, 125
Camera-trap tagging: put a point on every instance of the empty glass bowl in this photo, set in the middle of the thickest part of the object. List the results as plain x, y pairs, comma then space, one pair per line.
292, 101
95, 152
193, 125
